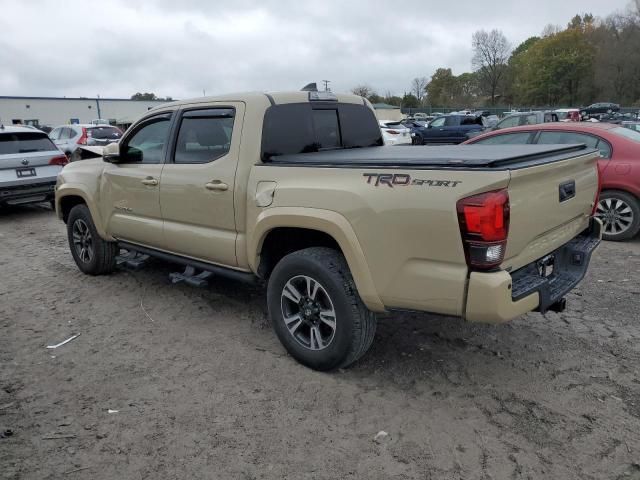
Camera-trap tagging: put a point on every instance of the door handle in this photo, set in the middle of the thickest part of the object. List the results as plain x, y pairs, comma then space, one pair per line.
150, 181
216, 185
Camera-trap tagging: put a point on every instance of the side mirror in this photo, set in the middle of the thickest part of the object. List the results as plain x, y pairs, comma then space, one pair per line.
111, 153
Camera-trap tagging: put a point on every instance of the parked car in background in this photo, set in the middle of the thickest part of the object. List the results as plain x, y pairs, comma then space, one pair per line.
68, 137
395, 133
520, 118
29, 166
448, 129
568, 114
632, 125
619, 204
599, 109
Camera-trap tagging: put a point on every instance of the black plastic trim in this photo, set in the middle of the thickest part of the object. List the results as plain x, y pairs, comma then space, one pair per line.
245, 277
569, 268
271, 100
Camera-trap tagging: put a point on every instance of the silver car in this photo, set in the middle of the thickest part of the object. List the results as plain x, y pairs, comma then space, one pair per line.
29, 165
68, 137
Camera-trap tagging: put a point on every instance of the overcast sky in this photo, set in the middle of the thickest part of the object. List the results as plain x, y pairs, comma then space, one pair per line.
180, 47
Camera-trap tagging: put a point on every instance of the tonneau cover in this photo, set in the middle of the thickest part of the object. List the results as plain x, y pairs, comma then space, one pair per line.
452, 156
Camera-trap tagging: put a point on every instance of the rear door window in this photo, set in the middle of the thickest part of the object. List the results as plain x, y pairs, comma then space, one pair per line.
551, 138
519, 138
25, 142
204, 135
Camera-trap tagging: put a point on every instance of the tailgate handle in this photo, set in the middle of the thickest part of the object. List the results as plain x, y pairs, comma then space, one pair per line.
567, 190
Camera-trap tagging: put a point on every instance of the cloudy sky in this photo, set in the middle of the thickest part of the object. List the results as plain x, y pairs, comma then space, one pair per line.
182, 47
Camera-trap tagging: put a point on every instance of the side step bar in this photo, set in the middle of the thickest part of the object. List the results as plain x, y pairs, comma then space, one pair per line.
245, 277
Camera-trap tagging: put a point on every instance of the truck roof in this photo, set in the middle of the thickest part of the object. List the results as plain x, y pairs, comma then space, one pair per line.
272, 97
458, 156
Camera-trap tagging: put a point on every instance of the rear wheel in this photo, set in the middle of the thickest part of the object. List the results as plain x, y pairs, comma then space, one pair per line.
92, 254
316, 310
620, 215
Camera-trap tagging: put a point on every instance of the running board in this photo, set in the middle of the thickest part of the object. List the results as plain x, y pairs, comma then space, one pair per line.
190, 277
132, 260
245, 277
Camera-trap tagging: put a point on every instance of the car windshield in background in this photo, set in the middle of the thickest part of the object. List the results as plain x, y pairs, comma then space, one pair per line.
25, 142
627, 132
105, 133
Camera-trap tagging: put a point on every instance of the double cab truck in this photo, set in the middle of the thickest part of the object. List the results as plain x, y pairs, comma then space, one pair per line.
297, 191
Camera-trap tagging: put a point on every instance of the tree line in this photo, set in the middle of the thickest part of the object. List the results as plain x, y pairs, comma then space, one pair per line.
589, 60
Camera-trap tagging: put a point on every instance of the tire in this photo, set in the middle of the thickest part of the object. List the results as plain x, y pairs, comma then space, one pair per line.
331, 289
620, 215
92, 254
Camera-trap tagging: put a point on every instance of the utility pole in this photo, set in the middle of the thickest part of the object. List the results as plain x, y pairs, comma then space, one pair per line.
326, 85
98, 105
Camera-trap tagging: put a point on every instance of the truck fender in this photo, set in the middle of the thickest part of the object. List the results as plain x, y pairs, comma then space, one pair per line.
79, 190
325, 221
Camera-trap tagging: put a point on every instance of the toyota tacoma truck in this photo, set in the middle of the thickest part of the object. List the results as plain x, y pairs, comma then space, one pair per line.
297, 191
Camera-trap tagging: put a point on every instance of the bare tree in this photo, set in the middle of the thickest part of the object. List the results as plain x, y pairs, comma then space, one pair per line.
362, 90
418, 86
490, 54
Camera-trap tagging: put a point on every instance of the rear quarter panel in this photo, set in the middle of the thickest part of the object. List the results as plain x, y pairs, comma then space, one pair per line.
408, 234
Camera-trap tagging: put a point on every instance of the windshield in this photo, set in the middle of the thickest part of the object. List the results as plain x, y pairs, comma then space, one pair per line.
25, 142
628, 133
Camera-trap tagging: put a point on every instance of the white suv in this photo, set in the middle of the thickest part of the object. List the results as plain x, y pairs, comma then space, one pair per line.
29, 166
69, 137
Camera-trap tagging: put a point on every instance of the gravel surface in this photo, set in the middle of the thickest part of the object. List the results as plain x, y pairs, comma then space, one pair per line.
170, 381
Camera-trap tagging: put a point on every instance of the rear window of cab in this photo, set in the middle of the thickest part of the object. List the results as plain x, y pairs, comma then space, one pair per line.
304, 127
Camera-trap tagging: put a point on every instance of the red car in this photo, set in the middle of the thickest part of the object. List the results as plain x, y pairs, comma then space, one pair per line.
619, 205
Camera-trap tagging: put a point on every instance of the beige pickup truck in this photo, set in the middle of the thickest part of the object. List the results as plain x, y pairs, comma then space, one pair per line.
297, 190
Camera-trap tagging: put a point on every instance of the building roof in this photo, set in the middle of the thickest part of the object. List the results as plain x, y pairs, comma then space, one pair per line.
10, 97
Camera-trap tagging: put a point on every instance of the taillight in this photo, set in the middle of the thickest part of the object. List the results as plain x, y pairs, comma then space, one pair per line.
61, 160
484, 226
597, 196
83, 138
393, 132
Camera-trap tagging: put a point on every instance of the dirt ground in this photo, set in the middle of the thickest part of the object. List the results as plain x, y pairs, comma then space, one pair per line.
203, 389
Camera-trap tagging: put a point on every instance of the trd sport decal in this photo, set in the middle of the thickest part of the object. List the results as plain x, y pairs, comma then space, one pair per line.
404, 180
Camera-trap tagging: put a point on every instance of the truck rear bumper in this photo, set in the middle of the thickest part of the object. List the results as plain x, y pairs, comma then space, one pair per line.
498, 297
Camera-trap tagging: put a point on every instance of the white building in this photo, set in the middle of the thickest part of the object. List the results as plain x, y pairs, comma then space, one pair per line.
54, 111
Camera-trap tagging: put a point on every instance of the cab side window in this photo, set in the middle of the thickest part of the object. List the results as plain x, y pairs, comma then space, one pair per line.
519, 138
204, 135
438, 122
147, 144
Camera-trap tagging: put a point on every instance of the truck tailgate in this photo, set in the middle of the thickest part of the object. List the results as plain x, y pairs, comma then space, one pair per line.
550, 204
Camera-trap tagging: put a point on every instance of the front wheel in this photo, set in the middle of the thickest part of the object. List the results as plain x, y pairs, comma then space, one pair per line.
316, 310
620, 215
92, 254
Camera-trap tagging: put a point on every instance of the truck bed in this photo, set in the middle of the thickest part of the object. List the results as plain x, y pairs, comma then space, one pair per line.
499, 157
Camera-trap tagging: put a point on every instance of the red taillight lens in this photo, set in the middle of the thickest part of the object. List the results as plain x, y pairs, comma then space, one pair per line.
393, 132
61, 160
83, 138
484, 226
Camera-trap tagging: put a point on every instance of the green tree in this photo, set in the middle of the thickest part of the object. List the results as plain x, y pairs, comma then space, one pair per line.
410, 101
441, 88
